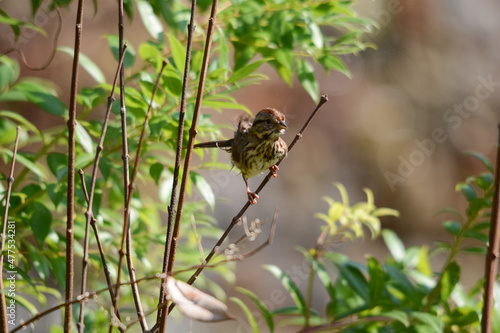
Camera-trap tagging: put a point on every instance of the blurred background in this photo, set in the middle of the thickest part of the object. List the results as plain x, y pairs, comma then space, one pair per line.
427, 93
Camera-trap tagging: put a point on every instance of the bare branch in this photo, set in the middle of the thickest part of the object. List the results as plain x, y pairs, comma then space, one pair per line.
89, 213
491, 265
10, 180
173, 196
78, 299
70, 210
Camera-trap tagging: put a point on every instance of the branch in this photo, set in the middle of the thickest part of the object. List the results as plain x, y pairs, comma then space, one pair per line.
78, 299
10, 180
491, 265
70, 210
89, 213
99, 246
236, 219
173, 196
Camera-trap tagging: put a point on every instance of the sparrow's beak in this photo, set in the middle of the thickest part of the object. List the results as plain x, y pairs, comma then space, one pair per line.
283, 125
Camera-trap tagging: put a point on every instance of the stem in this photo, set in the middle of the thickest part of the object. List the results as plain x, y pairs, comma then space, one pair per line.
161, 317
126, 217
78, 299
310, 285
493, 252
70, 210
192, 134
89, 213
93, 223
10, 180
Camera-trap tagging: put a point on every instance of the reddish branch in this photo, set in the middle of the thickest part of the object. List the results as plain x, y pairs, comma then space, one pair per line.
491, 266
70, 210
10, 180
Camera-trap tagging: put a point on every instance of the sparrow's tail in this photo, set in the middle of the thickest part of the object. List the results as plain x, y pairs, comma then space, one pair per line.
215, 144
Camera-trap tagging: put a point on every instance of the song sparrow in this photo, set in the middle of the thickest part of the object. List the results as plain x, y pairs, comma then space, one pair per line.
256, 146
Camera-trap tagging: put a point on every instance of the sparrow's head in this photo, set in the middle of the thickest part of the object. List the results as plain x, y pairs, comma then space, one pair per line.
269, 122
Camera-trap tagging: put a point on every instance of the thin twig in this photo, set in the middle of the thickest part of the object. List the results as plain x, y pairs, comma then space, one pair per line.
93, 223
78, 299
70, 210
180, 135
89, 213
10, 180
236, 219
491, 265
240, 257
192, 135
126, 215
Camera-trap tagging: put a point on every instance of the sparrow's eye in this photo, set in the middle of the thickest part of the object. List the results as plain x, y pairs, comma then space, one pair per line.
268, 121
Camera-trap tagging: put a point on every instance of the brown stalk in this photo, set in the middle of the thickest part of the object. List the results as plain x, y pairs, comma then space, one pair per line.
78, 299
89, 214
180, 134
10, 180
491, 266
236, 219
126, 215
70, 210
93, 223
192, 134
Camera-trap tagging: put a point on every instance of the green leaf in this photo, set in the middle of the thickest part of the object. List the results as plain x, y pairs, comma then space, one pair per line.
376, 283
268, 316
284, 64
289, 285
58, 164
16, 24
25, 124
114, 42
178, 52
83, 137
483, 159
475, 250
218, 105
316, 34
394, 244
56, 193
305, 73
223, 49
172, 82
59, 269
453, 227
40, 222
87, 64
155, 171
149, 19
323, 276
449, 280
248, 313
245, 71
400, 316
35, 168
9, 72
354, 278
42, 97
204, 188
467, 191
329, 62
432, 321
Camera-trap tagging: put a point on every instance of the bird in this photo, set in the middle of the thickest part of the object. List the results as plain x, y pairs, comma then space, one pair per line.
256, 146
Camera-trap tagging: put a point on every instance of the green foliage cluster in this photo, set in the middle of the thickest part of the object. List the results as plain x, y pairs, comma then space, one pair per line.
289, 35
401, 294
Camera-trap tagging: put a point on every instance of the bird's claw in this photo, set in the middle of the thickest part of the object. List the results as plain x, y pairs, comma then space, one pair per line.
252, 197
274, 170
